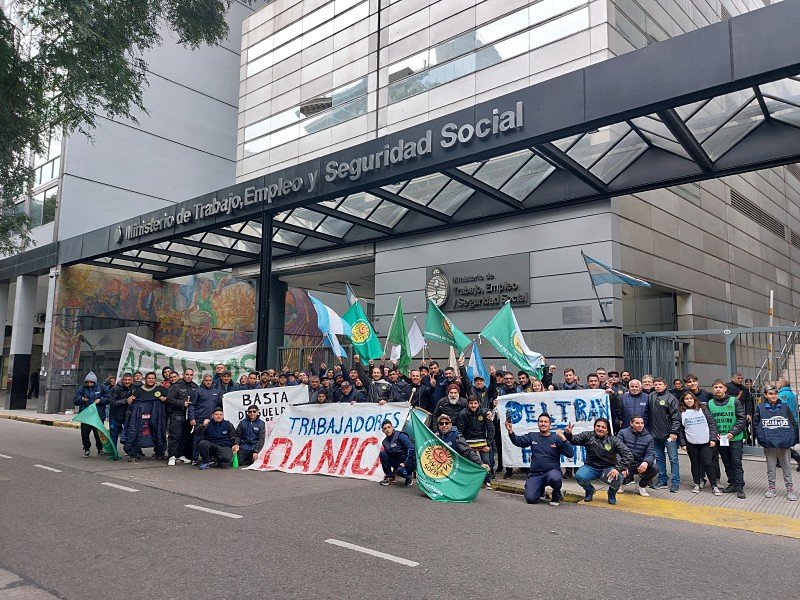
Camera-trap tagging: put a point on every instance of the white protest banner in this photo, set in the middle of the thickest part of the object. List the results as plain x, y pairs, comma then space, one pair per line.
139, 354
342, 440
580, 407
270, 402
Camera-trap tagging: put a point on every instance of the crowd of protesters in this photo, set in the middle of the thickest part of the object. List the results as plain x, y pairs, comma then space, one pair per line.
649, 422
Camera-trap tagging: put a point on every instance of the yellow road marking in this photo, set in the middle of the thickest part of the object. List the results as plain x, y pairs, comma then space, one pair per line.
716, 516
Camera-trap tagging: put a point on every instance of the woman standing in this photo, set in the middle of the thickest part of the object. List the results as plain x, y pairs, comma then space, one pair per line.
698, 436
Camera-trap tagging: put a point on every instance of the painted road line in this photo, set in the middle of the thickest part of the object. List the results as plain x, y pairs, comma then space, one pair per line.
213, 512
713, 516
119, 487
46, 468
383, 555
5, 456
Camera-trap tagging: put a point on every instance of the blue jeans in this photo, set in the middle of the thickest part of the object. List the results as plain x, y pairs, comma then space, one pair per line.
586, 474
661, 461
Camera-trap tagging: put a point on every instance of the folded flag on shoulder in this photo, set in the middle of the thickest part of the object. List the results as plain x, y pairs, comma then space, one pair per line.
444, 475
504, 334
602, 273
441, 329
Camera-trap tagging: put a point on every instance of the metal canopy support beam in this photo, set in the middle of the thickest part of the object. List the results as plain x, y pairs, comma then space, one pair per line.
480, 186
343, 216
685, 138
411, 205
222, 249
236, 235
187, 256
144, 260
762, 103
264, 280
566, 162
98, 263
303, 231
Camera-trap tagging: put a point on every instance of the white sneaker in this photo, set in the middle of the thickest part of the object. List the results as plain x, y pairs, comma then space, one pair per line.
716, 491
184, 460
770, 493
554, 503
791, 495
620, 490
171, 461
696, 489
643, 492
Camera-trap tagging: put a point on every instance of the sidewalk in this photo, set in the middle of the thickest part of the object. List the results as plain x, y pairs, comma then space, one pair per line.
755, 477
30, 415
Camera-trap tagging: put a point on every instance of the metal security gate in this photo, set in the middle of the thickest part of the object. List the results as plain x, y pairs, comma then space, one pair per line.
295, 358
645, 353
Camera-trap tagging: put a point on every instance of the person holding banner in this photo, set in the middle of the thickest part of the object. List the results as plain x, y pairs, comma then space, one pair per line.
606, 458
546, 452
90, 396
451, 436
346, 393
250, 434
217, 437
397, 455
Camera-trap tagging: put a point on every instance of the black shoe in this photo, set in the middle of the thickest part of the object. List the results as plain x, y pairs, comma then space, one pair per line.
132, 459
409, 481
102, 452
508, 474
741, 494
729, 490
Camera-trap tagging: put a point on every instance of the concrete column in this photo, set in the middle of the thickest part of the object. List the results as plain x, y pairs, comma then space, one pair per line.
48, 402
4, 291
277, 320
19, 363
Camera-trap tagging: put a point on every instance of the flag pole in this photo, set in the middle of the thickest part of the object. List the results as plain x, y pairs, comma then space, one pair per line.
391, 324
602, 310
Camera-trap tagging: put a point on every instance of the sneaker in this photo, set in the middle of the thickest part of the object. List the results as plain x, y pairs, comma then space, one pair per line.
703, 484
770, 493
657, 486
643, 492
741, 495
716, 491
554, 503
387, 481
184, 460
612, 497
410, 480
132, 459
790, 494
487, 485
729, 490
87, 453
171, 461
204, 466
696, 489
508, 474
195, 462
674, 488
101, 452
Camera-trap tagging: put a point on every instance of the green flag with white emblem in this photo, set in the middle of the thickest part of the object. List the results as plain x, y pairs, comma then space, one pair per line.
441, 329
442, 473
362, 334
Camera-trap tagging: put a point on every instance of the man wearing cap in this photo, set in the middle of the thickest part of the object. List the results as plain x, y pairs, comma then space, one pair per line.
225, 383
451, 405
250, 434
397, 455
451, 436
217, 437
347, 393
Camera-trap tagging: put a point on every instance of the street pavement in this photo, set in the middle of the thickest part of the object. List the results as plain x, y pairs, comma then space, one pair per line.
67, 533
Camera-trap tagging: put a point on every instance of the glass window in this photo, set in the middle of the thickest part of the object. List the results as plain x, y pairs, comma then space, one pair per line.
334, 226
528, 178
496, 171
619, 157
718, 110
423, 189
450, 199
302, 217
388, 214
43, 207
288, 237
788, 113
787, 90
591, 146
734, 130
359, 205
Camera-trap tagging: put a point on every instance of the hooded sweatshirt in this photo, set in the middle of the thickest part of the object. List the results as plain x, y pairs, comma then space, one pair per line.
91, 395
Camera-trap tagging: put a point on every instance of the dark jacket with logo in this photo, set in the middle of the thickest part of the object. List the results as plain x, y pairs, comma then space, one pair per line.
665, 416
97, 392
635, 406
177, 395
401, 391
475, 425
641, 445
250, 434
375, 390
400, 448
219, 434
205, 402
118, 406
546, 451
602, 453
775, 425
457, 442
443, 407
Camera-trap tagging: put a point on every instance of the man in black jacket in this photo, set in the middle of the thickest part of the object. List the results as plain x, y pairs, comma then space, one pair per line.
216, 439
641, 445
665, 425
180, 395
420, 394
397, 455
250, 434
451, 405
122, 395
475, 424
738, 390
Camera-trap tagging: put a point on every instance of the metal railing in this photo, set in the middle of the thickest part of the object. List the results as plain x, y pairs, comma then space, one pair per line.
295, 358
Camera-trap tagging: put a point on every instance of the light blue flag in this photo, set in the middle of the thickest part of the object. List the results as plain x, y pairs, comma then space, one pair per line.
476, 366
327, 320
331, 342
602, 273
351, 295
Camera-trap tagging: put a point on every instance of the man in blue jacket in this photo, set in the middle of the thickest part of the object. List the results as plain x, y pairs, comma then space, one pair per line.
207, 398
635, 403
776, 430
547, 449
789, 398
94, 397
216, 440
642, 446
250, 434
397, 455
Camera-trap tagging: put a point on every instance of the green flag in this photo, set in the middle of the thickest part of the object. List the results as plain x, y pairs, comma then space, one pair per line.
398, 336
362, 334
443, 474
441, 329
503, 333
91, 417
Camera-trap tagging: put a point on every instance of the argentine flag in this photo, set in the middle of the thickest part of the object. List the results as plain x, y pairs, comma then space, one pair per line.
330, 324
476, 366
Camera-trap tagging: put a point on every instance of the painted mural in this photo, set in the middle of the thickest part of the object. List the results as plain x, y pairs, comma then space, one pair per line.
198, 312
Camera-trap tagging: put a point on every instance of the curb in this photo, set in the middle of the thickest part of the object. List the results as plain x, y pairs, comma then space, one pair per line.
568, 496
41, 421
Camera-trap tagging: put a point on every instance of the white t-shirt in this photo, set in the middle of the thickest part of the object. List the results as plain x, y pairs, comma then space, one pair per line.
695, 426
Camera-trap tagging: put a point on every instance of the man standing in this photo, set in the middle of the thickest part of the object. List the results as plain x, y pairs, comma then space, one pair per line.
225, 383
180, 396
546, 452
729, 415
419, 396
776, 429
397, 455
789, 398
207, 399
737, 389
634, 404
314, 387
401, 389
378, 390
641, 445
475, 424
122, 395
250, 434
90, 396
216, 438
33, 385
570, 381
665, 425
451, 405
693, 385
